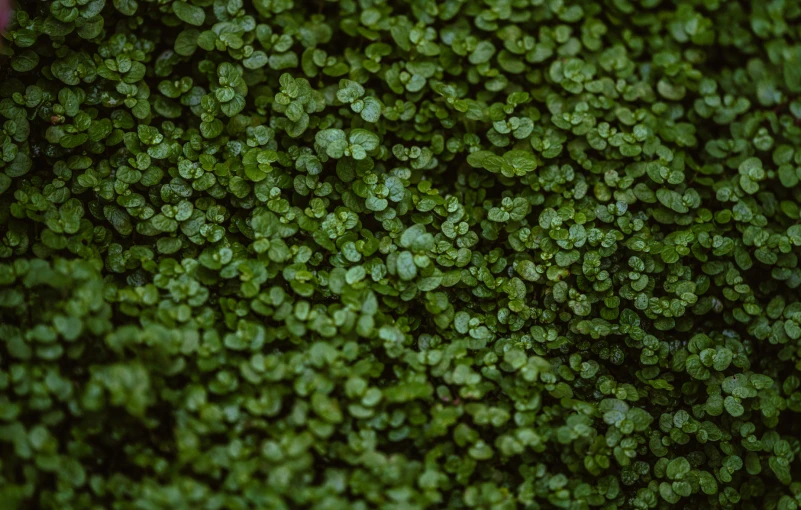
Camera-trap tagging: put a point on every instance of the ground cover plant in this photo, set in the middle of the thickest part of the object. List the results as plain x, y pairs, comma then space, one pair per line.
389, 254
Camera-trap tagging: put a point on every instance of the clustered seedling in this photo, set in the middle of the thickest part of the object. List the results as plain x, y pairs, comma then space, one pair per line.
400, 255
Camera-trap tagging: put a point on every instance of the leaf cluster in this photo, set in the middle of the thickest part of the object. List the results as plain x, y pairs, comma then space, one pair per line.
467, 254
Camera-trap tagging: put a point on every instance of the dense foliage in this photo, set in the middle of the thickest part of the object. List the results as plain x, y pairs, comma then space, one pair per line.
488, 254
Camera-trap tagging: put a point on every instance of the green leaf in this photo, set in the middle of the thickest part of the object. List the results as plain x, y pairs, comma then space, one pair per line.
781, 469
733, 406
483, 53
187, 41
349, 91
678, 468
667, 493
126, 7
25, 61
407, 269
371, 112
363, 138
189, 13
